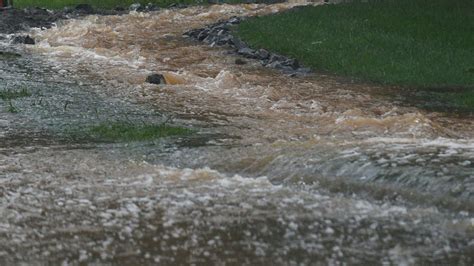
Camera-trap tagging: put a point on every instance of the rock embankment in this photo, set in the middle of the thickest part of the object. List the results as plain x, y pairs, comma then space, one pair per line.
15, 20
220, 34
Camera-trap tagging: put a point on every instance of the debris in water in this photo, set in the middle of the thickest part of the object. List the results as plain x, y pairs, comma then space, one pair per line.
156, 79
24, 40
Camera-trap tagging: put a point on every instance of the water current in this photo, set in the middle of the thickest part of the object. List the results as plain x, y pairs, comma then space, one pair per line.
282, 170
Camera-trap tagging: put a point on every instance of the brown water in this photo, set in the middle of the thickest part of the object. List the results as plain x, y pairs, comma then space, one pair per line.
284, 170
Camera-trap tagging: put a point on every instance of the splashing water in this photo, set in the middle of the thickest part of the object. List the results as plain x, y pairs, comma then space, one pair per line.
284, 170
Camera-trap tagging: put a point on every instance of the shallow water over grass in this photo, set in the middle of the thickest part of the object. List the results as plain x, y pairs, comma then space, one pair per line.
279, 170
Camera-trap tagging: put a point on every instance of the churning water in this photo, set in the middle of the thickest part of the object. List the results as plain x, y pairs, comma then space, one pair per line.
282, 170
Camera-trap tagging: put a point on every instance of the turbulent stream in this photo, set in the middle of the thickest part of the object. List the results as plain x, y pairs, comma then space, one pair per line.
282, 170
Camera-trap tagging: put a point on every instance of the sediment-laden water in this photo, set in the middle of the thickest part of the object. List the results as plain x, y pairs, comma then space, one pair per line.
282, 170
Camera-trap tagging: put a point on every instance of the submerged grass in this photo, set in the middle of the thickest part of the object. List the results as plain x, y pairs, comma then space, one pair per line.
11, 108
8, 55
106, 4
415, 43
8, 95
126, 131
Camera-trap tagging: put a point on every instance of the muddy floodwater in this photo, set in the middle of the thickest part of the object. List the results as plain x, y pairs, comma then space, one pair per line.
281, 170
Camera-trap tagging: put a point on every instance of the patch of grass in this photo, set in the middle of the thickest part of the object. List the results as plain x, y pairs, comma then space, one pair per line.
126, 131
8, 55
463, 99
11, 108
416, 43
8, 95
105, 4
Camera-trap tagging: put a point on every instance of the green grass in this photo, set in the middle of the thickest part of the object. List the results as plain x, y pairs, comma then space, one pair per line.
11, 108
126, 131
463, 99
414, 43
8, 95
8, 55
105, 4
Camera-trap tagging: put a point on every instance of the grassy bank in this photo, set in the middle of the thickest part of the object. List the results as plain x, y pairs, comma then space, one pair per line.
416, 43
106, 4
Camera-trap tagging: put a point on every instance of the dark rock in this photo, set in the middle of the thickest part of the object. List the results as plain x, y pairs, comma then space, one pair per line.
247, 52
209, 39
178, 6
222, 31
275, 58
263, 54
36, 11
119, 8
293, 63
84, 8
304, 70
240, 61
219, 27
193, 33
279, 65
68, 10
156, 79
234, 21
15, 20
238, 43
203, 35
223, 40
286, 64
23, 40
151, 7
220, 34
135, 7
